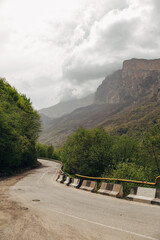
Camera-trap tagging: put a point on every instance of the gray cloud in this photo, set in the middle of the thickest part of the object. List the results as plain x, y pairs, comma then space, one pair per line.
112, 41
43, 82
67, 94
67, 52
81, 72
119, 34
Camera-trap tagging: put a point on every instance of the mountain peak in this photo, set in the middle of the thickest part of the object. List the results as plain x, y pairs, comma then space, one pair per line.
129, 97
138, 78
135, 64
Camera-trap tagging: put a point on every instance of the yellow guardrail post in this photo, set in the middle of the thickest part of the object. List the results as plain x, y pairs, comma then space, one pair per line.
122, 180
157, 180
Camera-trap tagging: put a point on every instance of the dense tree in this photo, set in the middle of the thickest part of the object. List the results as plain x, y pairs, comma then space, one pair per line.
19, 128
50, 151
151, 148
130, 171
87, 152
96, 153
46, 151
41, 150
125, 148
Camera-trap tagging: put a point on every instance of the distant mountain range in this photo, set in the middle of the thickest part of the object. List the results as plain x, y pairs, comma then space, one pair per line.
126, 101
64, 108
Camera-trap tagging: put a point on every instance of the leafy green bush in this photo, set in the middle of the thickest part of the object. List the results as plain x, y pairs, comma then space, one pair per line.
56, 154
19, 128
125, 148
96, 153
87, 152
129, 171
41, 150
151, 148
47, 151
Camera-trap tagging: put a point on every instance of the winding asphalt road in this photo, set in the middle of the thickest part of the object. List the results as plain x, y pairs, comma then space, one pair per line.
77, 214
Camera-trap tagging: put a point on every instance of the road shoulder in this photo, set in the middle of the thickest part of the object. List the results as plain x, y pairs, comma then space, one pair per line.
17, 221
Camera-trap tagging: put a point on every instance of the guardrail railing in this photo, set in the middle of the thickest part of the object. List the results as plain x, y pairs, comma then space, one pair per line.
122, 180
157, 179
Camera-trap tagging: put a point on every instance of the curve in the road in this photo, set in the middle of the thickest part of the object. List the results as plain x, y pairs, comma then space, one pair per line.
87, 213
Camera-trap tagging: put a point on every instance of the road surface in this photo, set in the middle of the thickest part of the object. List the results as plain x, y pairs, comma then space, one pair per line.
68, 213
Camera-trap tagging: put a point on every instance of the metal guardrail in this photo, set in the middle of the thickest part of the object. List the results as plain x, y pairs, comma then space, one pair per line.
157, 180
111, 179
122, 180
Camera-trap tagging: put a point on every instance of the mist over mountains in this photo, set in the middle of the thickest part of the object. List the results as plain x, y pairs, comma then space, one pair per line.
64, 108
132, 89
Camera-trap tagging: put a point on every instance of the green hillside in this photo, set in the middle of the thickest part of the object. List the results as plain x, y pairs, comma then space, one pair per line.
19, 128
135, 119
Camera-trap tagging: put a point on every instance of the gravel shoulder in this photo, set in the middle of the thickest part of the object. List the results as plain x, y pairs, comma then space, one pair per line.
18, 222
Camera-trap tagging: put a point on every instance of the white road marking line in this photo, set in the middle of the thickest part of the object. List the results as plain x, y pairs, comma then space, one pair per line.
103, 225
83, 219
32, 205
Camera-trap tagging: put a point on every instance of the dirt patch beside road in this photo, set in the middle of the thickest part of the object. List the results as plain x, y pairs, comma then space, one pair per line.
18, 222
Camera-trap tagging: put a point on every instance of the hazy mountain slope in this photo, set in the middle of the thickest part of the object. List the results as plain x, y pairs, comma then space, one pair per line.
64, 108
126, 101
135, 119
45, 120
90, 116
116, 118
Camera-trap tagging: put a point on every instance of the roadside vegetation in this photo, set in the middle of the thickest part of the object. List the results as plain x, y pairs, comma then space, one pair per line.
95, 152
19, 128
98, 154
46, 151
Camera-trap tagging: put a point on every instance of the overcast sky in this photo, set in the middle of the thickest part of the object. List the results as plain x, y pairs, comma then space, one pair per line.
54, 50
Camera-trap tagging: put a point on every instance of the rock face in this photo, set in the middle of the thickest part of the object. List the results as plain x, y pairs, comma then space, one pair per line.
108, 91
123, 102
137, 79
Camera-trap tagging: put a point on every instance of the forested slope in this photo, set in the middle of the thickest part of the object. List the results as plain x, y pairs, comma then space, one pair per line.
19, 127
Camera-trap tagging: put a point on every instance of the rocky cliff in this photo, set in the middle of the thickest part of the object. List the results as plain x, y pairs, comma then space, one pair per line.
126, 102
137, 79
